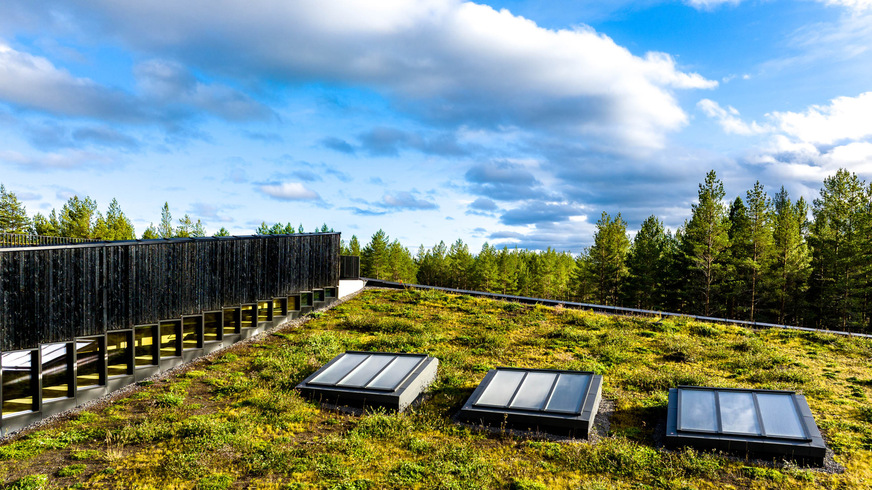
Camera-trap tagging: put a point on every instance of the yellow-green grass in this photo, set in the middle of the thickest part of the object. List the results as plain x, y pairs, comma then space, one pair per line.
236, 421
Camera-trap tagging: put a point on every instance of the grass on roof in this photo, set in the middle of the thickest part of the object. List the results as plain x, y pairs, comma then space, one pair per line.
236, 421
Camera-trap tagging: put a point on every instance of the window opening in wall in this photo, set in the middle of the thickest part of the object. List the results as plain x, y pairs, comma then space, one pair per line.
56, 370
212, 325
17, 382
144, 345
280, 307
249, 320
118, 353
89, 362
191, 327
232, 320
170, 346
264, 311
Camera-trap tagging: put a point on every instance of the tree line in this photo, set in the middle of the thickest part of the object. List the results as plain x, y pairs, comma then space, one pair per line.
80, 218
758, 257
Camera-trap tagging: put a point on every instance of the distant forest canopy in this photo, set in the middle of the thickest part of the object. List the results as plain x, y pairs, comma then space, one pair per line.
79, 218
760, 258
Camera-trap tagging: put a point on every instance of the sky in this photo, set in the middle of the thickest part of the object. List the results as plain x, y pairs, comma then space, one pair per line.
514, 122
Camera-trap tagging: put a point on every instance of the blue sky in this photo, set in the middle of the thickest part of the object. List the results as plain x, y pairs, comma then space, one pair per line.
516, 122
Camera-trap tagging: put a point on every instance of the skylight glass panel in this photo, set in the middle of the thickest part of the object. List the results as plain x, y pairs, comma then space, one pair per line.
338, 370
533, 391
394, 374
568, 393
697, 411
779, 415
738, 413
501, 389
365, 371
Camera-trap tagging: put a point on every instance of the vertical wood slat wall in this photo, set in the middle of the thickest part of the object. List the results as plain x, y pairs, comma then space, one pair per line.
58, 293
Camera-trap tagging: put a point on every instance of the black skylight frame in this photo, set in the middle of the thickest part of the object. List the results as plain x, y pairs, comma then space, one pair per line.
575, 421
804, 445
394, 381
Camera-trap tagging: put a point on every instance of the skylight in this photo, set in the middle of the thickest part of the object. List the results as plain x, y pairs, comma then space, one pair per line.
762, 423
540, 399
390, 380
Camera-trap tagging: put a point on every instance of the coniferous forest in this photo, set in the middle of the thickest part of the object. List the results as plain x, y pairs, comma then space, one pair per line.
761, 257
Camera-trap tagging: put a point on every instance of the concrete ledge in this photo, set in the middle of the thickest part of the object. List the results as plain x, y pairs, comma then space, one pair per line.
142, 372
167, 363
57, 405
114, 383
91, 393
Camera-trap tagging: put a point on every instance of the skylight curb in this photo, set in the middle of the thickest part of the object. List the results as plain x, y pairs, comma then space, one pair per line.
571, 424
398, 398
809, 450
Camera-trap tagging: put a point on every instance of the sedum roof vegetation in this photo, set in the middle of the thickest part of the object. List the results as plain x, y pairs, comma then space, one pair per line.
236, 421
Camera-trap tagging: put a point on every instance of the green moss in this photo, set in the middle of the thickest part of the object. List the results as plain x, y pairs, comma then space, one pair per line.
237, 421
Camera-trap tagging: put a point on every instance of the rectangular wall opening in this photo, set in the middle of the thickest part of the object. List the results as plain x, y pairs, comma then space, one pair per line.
57, 370
248, 316
144, 345
89, 362
280, 306
18, 377
264, 311
232, 320
294, 303
192, 328
212, 326
170, 338
118, 353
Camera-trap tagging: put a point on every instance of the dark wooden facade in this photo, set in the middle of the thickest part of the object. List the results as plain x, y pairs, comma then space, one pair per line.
58, 293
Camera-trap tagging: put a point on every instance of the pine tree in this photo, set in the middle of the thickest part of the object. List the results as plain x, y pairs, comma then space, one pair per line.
507, 275
13, 215
581, 282
485, 269
118, 225
187, 228
790, 258
150, 233
646, 264
76, 218
705, 242
263, 229
165, 228
608, 258
400, 265
354, 246
759, 217
222, 232
459, 262
431, 265
737, 269
47, 226
838, 263
374, 256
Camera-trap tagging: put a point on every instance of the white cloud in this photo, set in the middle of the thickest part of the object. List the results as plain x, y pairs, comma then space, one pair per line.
441, 60
807, 146
728, 118
854, 5
710, 4
34, 82
844, 118
66, 159
289, 191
